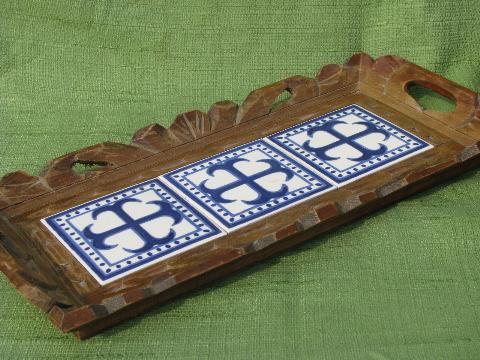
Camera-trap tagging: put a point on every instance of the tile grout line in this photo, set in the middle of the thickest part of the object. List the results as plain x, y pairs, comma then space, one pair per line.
172, 187
302, 162
266, 141
264, 148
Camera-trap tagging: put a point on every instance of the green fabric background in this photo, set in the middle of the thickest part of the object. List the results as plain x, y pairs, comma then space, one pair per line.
401, 284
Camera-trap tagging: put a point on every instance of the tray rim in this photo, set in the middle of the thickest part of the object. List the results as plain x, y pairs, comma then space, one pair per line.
388, 76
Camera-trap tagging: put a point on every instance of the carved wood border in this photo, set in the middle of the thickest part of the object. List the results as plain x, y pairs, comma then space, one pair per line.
387, 76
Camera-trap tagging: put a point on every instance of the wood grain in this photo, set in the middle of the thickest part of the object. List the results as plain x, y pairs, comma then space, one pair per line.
42, 269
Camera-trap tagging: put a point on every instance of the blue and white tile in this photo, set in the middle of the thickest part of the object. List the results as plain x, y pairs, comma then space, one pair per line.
242, 185
349, 143
124, 232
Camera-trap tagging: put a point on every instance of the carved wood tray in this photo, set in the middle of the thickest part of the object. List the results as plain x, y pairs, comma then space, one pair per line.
163, 220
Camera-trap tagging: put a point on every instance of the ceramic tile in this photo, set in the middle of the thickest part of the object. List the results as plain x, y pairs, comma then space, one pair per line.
247, 183
126, 231
349, 143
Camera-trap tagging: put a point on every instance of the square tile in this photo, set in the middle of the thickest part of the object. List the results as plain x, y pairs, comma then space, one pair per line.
246, 183
349, 143
128, 230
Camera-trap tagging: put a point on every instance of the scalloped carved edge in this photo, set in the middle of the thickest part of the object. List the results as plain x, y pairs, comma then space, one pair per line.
388, 75
19, 186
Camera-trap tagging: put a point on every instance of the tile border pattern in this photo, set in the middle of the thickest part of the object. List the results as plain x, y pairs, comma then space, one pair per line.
216, 227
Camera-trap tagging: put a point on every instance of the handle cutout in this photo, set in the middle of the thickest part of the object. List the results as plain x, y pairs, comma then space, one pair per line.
82, 167
284, 96
431, 98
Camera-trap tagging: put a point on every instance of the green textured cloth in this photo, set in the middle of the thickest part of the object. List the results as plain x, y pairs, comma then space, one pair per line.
401, 284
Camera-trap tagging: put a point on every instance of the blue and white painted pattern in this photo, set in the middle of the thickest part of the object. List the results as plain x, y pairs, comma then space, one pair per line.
349, 143
128, 230
242, 185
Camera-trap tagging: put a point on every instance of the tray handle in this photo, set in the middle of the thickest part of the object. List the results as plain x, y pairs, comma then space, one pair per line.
26, 276
108, 155
410, 74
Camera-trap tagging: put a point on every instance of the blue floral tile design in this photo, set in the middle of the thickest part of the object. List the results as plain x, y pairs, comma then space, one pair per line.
349, 143
126, 231
247, 183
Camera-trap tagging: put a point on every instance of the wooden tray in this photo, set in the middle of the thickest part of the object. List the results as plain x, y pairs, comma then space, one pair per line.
53, 277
